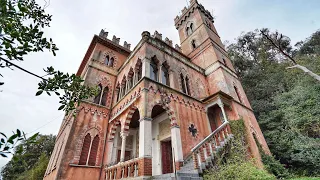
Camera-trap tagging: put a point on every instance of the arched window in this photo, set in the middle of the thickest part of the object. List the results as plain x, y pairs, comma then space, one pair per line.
188, 86
85, 150
124, 85
98, 96
119, 94
103, 100
189, 28
131, 81
182, 83
193, 44
111, 62
106, 61
94, 151
238, 94
165, 75
153, 70
224, 61
140, 72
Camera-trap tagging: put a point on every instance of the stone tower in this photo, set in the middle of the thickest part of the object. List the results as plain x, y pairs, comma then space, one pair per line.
161, 108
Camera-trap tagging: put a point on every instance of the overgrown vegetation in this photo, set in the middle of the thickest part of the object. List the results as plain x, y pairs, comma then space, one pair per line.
286, 102
232, 161
32, 162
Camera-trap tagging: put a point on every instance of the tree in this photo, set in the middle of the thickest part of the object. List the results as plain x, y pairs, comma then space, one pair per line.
21, 31
32, 161
285, 102
276, 41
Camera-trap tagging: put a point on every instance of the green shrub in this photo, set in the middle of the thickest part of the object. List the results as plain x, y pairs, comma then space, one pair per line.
232, 162
274, 166
239, 171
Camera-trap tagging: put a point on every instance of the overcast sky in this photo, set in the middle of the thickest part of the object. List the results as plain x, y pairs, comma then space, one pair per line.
75, 22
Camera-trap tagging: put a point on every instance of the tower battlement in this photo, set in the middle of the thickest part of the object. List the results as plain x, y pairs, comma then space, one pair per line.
104, 34
187, 11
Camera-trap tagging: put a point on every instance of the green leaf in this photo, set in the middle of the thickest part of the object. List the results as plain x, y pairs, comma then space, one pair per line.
61, 107
39, 93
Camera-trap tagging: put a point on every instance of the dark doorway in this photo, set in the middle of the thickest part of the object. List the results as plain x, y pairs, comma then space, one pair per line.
166, 157
215, 117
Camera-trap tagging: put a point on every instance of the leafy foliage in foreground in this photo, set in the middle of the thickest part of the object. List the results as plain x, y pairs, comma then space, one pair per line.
31, 163
286, 102
22, 24
232, 162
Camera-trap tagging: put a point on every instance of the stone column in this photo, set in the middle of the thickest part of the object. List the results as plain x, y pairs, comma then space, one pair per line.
177, 146
123, 145
146, 67
171, 79
160, 75
145, 147
145, 138
221, 105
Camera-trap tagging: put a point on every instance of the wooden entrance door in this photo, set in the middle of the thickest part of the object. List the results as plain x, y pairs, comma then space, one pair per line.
166, 157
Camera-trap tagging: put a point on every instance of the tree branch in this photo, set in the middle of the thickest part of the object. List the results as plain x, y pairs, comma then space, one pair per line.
7, 61
306, 70
278, 46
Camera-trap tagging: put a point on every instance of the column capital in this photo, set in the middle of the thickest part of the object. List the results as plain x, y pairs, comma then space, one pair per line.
145, 119
123, 134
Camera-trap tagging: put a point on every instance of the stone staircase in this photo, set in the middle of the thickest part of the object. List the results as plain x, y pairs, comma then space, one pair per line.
202, 155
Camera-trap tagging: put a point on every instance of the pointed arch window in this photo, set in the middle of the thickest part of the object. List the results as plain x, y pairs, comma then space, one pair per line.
111, 62
124, 85
119, 93
153, 70
165, 75
94, 151
101, 97
183, 87
193, 44
189, 28
103, 100
238, 94
89, 150
98, 96
85, 150
187, 86
106, 61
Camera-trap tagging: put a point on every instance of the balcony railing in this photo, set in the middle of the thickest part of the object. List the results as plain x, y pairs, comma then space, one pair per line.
207, 147
127, 169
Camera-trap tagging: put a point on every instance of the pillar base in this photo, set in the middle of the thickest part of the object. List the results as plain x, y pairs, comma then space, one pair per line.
145, 167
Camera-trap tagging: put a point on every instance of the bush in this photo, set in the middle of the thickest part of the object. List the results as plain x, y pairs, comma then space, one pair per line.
239, 171
274, 166
232, 162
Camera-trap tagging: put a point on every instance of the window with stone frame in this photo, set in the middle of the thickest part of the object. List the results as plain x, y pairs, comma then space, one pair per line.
106, 60
89, 150
111, 61
188, 86
118, 92
189, 28
101, 97
165, 74
183, 87
153, 70
193, 44
238, 94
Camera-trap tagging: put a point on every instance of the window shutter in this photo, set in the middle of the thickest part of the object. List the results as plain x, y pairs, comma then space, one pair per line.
94, 151
85, 150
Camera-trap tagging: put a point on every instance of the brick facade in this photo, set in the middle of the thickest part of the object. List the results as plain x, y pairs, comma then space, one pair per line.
202, 92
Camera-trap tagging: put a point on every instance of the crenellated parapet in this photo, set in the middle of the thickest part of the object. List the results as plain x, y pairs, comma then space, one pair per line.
187, 11
104, 35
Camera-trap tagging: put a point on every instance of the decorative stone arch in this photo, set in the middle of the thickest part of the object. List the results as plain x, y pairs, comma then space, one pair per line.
93, 131
106, 82
164, 103
113, 129
111, 54
189, 29
128, 119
